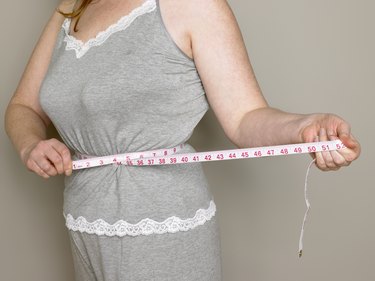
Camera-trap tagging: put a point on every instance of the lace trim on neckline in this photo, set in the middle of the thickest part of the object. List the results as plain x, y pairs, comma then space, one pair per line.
81, 47
144, 227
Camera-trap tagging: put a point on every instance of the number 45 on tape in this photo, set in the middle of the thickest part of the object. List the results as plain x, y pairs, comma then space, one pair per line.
169, 156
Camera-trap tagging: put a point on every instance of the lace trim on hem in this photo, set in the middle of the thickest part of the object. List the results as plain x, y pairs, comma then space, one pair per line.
81, 48
144, 227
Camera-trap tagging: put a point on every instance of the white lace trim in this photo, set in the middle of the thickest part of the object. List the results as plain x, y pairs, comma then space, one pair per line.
144, 227
81, 48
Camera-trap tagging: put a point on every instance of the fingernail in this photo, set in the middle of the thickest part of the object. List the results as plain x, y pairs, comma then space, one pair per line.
68, 172
322, 132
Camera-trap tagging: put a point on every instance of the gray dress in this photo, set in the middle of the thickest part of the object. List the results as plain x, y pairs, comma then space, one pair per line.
132, 89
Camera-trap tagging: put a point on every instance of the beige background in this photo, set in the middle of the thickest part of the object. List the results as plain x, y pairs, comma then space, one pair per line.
309, 56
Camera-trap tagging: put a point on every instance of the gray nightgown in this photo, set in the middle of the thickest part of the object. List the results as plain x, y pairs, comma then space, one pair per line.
132, 89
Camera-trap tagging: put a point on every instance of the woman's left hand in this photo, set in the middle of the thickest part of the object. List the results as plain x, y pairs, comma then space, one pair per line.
327, 127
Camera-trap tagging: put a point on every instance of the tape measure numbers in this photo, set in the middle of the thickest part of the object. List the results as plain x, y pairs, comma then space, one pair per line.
170, 156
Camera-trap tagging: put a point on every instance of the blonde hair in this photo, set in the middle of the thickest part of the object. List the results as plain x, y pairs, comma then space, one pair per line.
77, 12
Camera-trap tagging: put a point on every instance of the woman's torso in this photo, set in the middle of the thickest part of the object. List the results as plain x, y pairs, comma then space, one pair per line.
129, 89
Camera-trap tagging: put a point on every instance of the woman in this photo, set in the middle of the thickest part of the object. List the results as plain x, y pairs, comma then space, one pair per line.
128, 76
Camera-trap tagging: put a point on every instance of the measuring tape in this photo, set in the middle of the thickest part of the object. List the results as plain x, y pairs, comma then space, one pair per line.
170, 156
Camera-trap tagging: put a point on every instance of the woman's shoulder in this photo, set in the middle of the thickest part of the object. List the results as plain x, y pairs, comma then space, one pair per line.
195, 14
67, 6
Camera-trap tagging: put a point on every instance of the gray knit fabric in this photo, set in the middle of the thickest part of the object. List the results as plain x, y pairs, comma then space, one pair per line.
136, 91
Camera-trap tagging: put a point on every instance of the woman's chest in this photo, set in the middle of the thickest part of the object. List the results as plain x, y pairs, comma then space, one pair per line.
100, 17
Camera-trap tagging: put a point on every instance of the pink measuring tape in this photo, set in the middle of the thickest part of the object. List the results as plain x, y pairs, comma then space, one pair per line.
170, 156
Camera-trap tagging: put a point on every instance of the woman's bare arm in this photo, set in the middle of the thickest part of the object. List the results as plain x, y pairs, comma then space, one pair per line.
25, 121
234, 95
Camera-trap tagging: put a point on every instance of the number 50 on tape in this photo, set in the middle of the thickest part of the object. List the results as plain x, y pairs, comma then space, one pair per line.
169, 156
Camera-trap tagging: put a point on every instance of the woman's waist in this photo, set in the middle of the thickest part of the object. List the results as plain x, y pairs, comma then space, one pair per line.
131, 155
117, 176
84, 150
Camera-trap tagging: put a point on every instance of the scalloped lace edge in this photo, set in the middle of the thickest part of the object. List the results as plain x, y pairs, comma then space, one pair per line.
81, 48
144, 227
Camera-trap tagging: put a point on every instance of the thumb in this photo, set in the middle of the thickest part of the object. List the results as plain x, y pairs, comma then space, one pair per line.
343, 132
347, 140
350, 142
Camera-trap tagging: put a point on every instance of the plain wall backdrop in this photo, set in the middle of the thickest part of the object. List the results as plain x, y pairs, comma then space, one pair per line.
308, 56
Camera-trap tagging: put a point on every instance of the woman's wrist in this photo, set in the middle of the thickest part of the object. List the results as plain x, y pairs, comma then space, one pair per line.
27, 145
271, 126
303, 122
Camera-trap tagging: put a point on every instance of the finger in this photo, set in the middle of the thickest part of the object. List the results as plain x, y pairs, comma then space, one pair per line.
46, 166
66, 156
320, 163
353, 148
337, 157
326, 155
346, 137
41, 160
54, 157
34, 167
349, 141
343, 132
352, 144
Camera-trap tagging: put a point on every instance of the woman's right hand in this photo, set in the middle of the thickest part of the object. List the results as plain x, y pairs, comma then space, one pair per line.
48, 158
